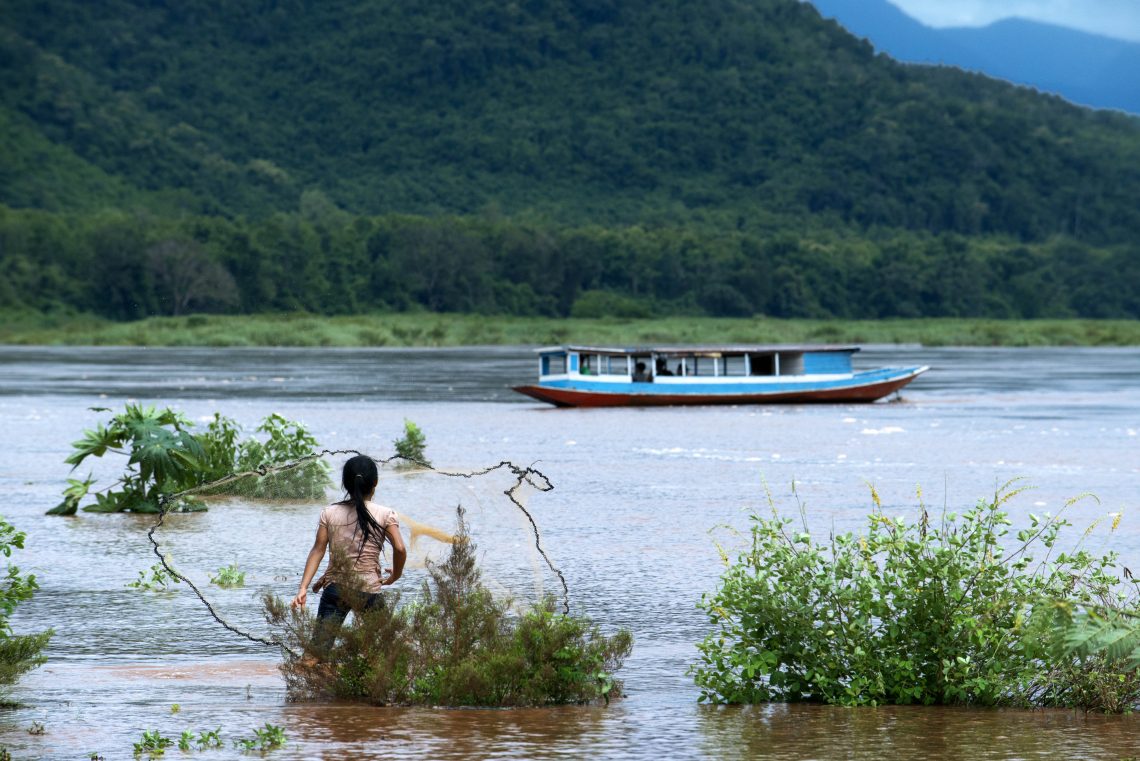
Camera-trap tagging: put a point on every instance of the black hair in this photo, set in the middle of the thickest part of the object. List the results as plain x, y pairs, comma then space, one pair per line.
359, 478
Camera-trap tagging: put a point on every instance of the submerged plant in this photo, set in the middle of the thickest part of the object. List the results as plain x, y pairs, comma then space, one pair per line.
228, 577
158, 580
165, 457
209, 738
264, 739
410, 447
956, 611
153, 743
454, 644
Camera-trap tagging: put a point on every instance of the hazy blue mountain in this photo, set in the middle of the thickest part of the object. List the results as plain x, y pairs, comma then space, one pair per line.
1084, 68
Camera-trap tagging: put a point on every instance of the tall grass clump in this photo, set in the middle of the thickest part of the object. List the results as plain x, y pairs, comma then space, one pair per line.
963, 610
454, 644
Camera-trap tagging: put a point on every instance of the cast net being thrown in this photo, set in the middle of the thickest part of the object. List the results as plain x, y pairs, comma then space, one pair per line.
261, 523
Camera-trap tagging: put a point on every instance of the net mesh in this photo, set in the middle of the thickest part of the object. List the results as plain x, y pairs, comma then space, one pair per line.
281, 504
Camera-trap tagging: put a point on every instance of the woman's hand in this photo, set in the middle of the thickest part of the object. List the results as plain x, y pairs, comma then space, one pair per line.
299, 600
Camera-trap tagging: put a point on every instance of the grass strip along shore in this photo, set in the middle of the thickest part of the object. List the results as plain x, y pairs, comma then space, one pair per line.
440, 329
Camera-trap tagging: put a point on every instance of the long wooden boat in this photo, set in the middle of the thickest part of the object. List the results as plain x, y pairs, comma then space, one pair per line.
600, 376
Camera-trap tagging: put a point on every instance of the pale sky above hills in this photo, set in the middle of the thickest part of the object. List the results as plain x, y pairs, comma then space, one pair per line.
1114, 18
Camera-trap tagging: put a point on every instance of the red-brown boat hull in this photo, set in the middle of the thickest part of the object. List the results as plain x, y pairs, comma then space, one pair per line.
567, 397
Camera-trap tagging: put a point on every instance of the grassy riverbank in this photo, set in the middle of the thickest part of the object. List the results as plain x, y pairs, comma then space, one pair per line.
428, 329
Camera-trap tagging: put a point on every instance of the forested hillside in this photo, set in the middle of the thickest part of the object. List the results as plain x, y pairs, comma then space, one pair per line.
552, 156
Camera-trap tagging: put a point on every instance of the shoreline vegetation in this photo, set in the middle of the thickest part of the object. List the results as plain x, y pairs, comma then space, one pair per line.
429, 329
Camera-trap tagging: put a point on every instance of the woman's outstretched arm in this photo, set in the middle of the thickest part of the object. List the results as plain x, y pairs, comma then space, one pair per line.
399, 553
312, 563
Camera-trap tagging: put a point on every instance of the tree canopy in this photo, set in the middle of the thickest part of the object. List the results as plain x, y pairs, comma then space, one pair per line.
726, 157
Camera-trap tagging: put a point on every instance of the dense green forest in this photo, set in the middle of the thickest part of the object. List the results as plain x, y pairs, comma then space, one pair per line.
551, 157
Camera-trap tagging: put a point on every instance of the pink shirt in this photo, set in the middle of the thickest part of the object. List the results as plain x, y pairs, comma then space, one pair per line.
345, 536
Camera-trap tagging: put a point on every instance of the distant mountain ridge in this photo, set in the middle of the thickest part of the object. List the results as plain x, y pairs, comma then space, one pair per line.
1086, 69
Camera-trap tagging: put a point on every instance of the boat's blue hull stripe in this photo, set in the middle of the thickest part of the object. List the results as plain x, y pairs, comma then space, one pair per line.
611, 387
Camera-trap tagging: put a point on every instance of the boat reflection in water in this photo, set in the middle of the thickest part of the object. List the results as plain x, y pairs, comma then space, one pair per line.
596, 376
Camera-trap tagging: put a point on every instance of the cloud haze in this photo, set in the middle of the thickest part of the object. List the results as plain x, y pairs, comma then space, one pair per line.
1114, 18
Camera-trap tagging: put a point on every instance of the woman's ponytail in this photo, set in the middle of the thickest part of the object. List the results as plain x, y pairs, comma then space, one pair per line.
359, 479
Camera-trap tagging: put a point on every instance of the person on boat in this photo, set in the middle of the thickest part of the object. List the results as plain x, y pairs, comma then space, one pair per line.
355, 529
641, 373
662, 368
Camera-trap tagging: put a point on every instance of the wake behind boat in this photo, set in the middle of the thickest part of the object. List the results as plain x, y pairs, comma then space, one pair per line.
596, 376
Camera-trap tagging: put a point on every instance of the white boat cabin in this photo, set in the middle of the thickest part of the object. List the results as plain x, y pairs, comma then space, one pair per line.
665, 364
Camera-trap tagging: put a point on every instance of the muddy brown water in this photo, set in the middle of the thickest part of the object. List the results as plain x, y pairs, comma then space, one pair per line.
636, 495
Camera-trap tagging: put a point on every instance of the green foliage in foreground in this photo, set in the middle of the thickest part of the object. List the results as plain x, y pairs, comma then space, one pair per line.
427, 329
956, 611
18, 653
165, 457
454, 645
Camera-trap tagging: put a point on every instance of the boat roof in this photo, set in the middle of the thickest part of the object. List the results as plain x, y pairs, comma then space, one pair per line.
677, 350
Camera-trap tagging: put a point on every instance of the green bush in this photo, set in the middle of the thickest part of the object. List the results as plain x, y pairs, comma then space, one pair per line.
956, 611
454, 645
165, 457
18, 653
412, 444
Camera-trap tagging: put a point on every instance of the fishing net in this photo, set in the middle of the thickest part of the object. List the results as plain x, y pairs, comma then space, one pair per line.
262, 523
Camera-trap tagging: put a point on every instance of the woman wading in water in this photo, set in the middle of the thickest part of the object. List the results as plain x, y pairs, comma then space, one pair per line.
356, 529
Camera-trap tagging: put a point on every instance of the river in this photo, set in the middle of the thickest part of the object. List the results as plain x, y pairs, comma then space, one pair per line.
638, 497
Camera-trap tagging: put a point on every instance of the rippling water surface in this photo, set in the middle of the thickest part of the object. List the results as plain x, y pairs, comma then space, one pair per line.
637, 492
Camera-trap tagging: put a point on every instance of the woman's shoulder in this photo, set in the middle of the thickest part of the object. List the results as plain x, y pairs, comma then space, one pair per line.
337, 511
382, 513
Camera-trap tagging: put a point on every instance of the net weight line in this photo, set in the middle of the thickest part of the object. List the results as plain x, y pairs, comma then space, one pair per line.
528, 475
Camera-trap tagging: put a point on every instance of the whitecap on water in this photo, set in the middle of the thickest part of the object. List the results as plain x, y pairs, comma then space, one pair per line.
880, 431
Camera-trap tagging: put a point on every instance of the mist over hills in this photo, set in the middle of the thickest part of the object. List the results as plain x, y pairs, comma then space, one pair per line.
668, 152
1084, 68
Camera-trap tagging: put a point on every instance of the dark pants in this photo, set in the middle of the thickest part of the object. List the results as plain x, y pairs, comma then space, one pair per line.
332, 610
333, 606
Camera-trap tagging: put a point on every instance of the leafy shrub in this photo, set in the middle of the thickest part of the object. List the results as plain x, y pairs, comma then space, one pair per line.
411, 445
165, 457
18, 653
914, 612
454, 645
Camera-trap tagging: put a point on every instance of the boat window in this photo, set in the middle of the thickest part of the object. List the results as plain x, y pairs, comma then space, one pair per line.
553, 364
617, 365
791, 364
734, 364
590, 363
704, 366
763, 364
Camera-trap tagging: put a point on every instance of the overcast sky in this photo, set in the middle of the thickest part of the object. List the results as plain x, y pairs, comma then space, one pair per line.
1115, 18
